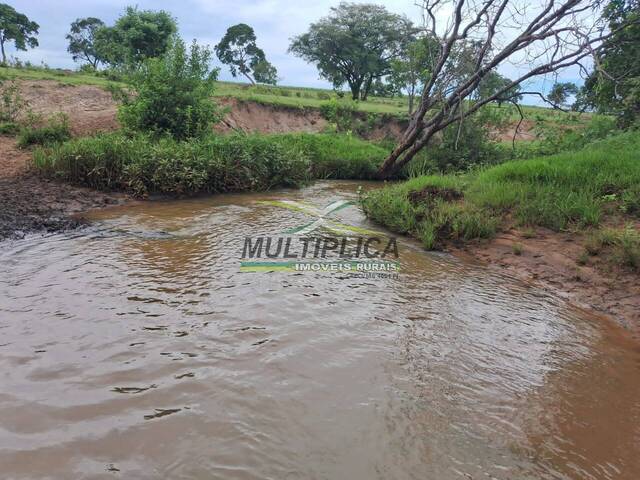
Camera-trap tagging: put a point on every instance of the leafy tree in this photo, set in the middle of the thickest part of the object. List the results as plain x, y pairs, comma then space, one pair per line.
238, 50
614, 85
354, 44
561, 91
264, 72
493, 83
173, 94
18, 28
82, 38
411, 68
136, 36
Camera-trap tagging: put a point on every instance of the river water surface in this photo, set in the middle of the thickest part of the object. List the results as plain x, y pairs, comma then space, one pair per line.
136, 349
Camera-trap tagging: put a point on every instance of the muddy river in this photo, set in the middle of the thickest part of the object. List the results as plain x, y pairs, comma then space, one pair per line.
137, 349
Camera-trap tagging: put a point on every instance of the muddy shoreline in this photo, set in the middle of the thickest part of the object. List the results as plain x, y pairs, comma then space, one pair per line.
549, 261
31, 204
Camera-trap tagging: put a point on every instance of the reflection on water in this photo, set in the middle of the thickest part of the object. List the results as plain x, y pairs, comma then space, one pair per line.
136, 349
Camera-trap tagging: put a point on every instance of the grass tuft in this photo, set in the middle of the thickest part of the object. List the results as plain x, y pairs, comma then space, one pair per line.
567, 190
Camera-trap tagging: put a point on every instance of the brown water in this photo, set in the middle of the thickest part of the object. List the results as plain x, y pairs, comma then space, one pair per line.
126, 352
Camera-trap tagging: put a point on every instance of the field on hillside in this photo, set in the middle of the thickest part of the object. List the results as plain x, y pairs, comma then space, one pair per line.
299, 97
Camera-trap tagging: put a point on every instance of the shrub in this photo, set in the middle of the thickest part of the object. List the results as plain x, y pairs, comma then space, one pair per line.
340, 113
323, 96
54, 130
9, 128
173, 94
12, 104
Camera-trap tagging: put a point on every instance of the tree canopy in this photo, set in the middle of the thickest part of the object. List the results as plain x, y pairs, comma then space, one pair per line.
614, 85
82, 40
17, 28
560, 93
239, 51
136, 36
354, 44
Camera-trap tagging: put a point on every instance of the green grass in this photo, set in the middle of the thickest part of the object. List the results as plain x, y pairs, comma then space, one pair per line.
54, 130
216, 163
567, 190
620, 246
61, 76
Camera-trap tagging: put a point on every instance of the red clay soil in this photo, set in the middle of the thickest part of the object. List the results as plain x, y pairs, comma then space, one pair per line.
90, 108
29, 203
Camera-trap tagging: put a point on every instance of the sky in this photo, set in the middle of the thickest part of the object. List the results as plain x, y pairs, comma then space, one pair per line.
274, 21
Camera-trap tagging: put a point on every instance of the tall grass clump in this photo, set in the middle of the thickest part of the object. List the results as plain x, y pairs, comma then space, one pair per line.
567, 190
144, 165
37, 131
620, 246
337, 156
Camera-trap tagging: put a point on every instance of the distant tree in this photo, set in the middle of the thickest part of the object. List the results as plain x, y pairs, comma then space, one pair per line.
411, 68
561, 91
136, 36
614, 85
493, 83
354, 44
264, 72
82, 38
238, 49
18, 28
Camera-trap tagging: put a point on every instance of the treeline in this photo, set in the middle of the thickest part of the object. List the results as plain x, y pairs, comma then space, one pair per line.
136, 36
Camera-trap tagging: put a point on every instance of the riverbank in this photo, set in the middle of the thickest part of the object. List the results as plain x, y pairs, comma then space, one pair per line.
569, 221
31, 203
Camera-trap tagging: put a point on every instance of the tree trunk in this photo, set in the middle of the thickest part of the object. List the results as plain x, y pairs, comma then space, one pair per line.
412, 96
249, 78
367, 87
4, 55
355, 89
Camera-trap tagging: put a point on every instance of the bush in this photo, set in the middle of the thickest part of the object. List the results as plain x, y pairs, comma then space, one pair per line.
323, 96
12, 104
173, 94
55, 130
556, 140
340, 113
462, 146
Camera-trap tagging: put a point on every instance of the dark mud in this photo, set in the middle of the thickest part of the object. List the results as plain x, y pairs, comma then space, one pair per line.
30, 204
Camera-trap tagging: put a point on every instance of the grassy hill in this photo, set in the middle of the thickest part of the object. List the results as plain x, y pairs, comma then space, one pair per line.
299, 97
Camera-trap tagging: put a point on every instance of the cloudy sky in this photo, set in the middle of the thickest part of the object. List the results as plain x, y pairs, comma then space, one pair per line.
275, 22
